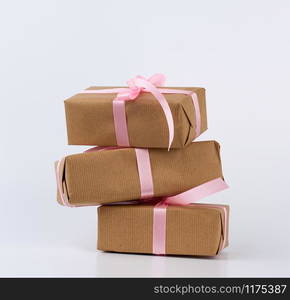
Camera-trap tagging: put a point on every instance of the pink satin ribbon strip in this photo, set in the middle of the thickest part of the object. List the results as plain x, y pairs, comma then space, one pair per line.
197, 114
183, 199
135, 87
159, 228
145, 174
197, 193
62, 195
120, 123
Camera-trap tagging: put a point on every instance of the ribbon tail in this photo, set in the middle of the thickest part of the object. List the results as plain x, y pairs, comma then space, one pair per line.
198, 193
167, 112
164, 105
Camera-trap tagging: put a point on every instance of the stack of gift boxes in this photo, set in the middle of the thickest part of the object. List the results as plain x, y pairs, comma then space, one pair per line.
146, 173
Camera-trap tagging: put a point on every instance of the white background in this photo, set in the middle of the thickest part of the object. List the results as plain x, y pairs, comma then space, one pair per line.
238, 50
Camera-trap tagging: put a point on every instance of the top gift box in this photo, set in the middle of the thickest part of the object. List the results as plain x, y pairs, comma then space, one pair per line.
143, 115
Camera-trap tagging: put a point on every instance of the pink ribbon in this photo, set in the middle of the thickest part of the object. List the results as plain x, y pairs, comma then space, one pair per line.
186, 198
145, 174
62, 195
147, 192
136, 86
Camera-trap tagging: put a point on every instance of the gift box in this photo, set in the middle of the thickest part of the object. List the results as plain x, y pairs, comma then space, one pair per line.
94, 117
197, 229
114, 175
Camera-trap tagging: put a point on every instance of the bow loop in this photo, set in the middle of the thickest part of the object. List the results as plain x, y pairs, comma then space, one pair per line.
135, 87
134, 93
157, 79
139, 83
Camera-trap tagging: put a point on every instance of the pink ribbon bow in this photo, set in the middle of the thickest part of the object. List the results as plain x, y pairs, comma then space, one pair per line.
139, 83
136, 86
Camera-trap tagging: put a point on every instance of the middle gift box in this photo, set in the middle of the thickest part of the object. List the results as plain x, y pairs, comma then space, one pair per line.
124, 174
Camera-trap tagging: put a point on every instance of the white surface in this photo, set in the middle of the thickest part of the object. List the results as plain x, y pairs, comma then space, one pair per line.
238, 50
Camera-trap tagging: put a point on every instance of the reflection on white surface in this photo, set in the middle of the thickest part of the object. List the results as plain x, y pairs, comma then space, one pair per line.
160, 266
83, 262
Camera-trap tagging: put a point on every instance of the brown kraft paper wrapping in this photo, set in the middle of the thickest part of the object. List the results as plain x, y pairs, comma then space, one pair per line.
197, 229
89, 119
109, 176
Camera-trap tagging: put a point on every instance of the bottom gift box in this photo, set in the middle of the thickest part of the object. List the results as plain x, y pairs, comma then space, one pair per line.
196, 229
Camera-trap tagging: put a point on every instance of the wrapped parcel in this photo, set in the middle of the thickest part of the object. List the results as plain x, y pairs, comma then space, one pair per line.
198, 229
90, 118
101, 177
